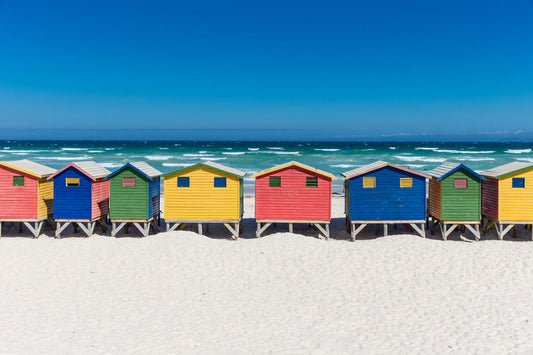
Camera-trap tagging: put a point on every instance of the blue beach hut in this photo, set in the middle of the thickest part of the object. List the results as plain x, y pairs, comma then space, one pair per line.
384, 193
81, 196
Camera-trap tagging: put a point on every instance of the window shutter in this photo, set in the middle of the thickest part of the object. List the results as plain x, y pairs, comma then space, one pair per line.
406, 182
311, 182
72, 182
18, 180
220, 182
274, 181
369, 182
460, 183
519, 183
128, 182
183, 182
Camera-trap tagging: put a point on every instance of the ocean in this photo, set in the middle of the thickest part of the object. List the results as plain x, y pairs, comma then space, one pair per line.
334, 157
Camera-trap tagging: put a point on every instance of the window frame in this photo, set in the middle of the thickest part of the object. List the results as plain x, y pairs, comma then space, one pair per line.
20, 179
409, 181
455, 180
518, 179
183, 178
72, 182
366, 180
313, 180
271, 180
220, 179
130, 178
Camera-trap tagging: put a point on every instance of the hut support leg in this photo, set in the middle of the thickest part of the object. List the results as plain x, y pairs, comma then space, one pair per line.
115, 229
356, 231
474, 230
60, 228
324, 230
260, 229
87, 230
291, 229
503, 231
445, 231
172, 226
200, 231
144, 229
385, 229
421, 231
36, 231
234, 232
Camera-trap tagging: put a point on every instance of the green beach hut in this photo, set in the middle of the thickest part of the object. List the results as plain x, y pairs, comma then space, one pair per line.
134, 191
455, 198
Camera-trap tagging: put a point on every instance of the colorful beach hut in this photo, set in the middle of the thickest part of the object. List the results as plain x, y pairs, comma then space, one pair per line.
383, 193
81, 197
204, 193
134, 197
293, 193
26, 196
507, 197
455, 198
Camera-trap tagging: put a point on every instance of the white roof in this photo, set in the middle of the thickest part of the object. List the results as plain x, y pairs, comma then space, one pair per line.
30, 167
506, 169
227, 169
146, 168
443, 169
365, 168
92, 169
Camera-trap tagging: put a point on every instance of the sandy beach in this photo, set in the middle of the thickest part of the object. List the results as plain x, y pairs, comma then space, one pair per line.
180, 292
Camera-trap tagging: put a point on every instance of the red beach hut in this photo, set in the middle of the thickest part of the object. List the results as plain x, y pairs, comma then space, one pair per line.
293, 193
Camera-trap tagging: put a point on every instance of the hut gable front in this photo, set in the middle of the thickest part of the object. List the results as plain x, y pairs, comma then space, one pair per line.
127, 201
295, 197
202, 192
461, 203
16, 200
516, 199
387, 193
72, 202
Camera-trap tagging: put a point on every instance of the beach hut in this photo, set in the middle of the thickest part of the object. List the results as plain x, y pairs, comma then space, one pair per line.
26, 196
204, 193
455, 198
81, 197
507, 197
293, 193
134, 197
383, 193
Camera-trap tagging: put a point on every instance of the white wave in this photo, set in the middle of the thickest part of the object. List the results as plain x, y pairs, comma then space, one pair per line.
517, 151
275, 148
163, 148
327, 149
26, 151
119, 154
228, 148
21, 153
65, 158
422, 159
426, 148
452, 151
177, 145
393, 148
193, 155
473, 159
158, 157
341, 166
416, 166
111, 165
234, 153
176, 164
529, 160
284, 153
110, 148
212, 159
253, 149
95, 151
368, 149
202, 151
74, 149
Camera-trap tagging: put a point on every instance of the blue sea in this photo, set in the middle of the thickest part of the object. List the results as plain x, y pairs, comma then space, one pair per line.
334, 157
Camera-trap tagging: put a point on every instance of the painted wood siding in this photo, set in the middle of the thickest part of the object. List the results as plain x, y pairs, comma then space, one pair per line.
516, 204
17, 201
387, 201
128, 202
45, 201
201, 200
100, 198
434, 198
293, 200
72, 202
489, 198
154, 201
460, 204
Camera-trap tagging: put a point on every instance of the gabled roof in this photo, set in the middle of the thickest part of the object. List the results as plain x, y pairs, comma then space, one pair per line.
89, 168
297, 164
29, 167
507, 169
448, 168
378, 165
143, 168
215, 166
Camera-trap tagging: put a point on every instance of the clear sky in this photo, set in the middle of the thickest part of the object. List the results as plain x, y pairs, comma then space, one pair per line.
351, 68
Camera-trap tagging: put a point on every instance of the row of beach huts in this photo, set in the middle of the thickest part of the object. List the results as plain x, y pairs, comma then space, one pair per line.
85, 194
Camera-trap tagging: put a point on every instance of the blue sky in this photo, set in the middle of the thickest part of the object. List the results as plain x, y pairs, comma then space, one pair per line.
350, 68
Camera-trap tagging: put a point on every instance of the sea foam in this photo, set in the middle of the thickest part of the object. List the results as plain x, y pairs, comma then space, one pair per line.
158, 157
421, 159
327, 149
517, 151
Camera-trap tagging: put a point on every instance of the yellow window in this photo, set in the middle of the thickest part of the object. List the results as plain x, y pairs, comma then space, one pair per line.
369, 182
72, 181
406, 182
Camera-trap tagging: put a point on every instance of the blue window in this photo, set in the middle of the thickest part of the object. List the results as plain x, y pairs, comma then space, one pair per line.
183, 182
220, 182
519, 183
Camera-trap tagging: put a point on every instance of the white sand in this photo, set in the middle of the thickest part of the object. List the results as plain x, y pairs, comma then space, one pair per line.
284, 293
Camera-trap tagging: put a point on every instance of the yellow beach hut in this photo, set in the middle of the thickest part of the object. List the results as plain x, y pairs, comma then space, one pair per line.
507, 197
204, 193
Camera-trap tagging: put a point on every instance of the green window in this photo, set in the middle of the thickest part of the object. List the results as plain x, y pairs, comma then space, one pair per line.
18, 180
311, 182
274, 181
